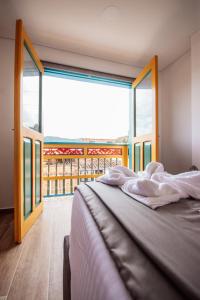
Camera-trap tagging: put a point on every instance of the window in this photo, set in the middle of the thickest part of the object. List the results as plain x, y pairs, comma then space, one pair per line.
84, 110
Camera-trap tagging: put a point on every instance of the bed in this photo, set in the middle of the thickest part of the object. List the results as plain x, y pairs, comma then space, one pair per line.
121, 249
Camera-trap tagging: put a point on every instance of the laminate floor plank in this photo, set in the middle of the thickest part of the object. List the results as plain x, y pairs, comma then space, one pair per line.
34, 269
9, 258
32, 275
61, 227
5, 220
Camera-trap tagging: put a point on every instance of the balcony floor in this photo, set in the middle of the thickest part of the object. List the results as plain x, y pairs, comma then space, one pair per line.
34, 269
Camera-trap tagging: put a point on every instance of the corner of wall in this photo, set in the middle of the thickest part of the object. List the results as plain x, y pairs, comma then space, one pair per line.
7, 121
195, 79
175, 115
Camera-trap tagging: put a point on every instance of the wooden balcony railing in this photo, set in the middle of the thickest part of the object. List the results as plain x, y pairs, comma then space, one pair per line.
67, 165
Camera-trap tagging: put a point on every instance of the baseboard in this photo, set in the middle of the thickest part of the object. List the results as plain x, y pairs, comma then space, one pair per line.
7, 210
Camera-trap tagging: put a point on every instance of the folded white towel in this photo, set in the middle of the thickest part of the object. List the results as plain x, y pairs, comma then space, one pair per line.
187, 184
117, 175
149, 188
150, 192
122, 170
154, 187
154, 202
152, 168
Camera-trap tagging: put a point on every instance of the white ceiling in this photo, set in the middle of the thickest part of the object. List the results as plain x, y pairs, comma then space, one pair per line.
125, 31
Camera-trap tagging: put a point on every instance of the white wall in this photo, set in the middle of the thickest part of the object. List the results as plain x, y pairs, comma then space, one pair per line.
175, 110
195, 60
87, 62
6, 122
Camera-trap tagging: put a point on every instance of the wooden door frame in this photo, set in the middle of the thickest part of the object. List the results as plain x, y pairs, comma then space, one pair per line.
21, 40
153, 68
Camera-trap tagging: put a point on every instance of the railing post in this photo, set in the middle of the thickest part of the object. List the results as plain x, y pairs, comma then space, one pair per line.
125, 156
71, 180
63, 175
56, 181
48, 182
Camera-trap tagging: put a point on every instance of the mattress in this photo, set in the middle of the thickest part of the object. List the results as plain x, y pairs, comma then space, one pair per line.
120, 249
94, 275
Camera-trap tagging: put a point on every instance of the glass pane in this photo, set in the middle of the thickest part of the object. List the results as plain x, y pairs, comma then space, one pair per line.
37, 172
144, 106
102, 106
137, 157
31, 93
27, 177
147, 153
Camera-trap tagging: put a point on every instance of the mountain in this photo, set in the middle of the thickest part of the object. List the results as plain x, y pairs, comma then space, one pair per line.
55, 139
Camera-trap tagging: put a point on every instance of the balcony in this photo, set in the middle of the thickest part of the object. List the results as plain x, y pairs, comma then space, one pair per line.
67, 165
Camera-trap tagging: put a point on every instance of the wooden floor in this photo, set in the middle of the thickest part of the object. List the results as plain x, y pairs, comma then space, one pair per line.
34, 269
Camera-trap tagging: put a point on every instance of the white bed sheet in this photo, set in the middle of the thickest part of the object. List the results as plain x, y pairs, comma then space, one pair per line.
94, 275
